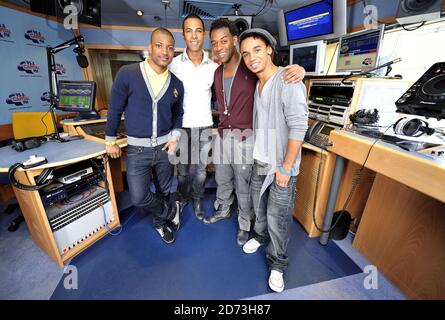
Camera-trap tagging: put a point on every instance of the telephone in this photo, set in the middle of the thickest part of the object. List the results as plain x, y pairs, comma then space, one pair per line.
318, 134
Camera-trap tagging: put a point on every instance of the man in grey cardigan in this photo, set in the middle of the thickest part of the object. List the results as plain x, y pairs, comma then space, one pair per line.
280, 122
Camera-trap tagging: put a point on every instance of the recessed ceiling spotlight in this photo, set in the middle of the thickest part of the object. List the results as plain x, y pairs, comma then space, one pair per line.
140, 13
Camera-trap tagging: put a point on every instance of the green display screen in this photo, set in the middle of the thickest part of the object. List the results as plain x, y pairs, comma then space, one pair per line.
76, 101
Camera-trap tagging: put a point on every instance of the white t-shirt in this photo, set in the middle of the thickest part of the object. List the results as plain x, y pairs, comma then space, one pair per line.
197, 81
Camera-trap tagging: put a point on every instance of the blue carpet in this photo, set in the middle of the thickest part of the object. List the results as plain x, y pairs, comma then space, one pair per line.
203, 263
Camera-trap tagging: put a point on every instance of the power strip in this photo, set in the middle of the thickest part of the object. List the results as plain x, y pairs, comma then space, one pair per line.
34, 161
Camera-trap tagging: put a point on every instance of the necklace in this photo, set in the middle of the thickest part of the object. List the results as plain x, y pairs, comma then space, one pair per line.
226, 103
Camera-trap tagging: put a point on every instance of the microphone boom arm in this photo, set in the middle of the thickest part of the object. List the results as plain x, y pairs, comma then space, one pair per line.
52, 77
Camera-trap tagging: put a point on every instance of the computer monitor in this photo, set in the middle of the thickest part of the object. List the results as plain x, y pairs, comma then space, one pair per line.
310, 56
77, 96
312, 20
359, 51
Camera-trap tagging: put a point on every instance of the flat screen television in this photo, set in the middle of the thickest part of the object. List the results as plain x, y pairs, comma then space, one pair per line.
77, 96
309, 55
312, 20
359, 51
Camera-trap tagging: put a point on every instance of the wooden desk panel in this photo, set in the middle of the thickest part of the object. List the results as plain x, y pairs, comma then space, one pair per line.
402, 232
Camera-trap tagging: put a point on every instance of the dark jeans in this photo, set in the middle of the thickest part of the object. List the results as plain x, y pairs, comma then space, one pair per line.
194, 148
142, 164
273, 216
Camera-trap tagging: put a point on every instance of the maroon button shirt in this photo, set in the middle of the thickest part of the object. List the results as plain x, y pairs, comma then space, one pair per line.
240, 108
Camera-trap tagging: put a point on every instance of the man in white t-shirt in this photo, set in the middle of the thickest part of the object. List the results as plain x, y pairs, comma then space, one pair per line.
194, 68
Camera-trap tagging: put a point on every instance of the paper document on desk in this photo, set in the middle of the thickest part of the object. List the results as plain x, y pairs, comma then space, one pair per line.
381, 96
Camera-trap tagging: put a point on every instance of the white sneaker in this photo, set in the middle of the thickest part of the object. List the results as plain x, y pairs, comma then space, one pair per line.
251, 246
276, 282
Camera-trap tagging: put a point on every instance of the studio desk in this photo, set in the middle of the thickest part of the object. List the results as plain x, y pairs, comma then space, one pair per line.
94, 130
402, 229
66, 227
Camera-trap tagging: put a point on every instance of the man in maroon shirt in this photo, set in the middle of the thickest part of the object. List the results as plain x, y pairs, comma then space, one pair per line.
234, 87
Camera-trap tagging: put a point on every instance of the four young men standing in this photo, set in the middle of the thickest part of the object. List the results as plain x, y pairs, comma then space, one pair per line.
157, 104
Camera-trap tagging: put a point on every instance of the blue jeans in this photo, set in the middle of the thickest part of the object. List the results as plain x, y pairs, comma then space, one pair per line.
142, 164
273, 216
196, 143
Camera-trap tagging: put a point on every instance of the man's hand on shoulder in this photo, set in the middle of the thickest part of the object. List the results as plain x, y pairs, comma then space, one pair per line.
293, 74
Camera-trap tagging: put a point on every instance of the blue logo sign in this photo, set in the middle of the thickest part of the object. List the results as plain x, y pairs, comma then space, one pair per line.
4, 31
35, 36
60, 69
28, 66
45, 96
19, 99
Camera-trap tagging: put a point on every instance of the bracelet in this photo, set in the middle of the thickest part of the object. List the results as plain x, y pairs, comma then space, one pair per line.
110, 143
287, 173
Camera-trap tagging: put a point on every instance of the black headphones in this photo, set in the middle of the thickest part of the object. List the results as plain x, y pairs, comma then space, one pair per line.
40, 180
25, 144
412, 127
363, 116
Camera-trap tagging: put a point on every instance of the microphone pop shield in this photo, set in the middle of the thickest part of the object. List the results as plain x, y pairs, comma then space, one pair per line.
82, 61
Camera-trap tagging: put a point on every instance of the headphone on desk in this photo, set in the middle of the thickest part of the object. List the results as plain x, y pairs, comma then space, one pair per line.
46, 175
25, 144
412, 127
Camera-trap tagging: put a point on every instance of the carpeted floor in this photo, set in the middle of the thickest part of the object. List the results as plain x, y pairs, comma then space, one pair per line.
203, 263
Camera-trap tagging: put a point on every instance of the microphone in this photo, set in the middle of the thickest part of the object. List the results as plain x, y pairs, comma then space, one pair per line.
82, 61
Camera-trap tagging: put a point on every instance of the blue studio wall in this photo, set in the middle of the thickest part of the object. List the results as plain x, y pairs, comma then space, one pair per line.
118, 37
23, 63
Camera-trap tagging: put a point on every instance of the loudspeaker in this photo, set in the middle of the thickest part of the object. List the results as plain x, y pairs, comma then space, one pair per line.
89, 11
426, 97
412, 11
341, 221
242, 22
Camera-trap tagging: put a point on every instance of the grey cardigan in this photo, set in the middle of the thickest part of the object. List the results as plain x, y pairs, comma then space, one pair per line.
287, 119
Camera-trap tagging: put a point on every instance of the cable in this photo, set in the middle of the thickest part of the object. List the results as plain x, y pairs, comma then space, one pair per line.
414, 28
355, 183
332, 59
103, 174
314, 205
41, 120
264, 6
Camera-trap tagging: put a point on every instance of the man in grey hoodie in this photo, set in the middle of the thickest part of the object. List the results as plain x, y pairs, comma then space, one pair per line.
280, 122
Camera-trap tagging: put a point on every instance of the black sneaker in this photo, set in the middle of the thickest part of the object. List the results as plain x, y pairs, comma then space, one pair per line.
222, 213
166, 234
242, 237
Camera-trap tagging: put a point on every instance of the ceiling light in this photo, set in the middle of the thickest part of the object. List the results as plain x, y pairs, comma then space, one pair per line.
140, 13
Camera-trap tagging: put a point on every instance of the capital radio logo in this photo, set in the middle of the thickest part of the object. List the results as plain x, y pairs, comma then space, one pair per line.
60, 69
45, 96
4, 31
35, 36
28, 66
18, 98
